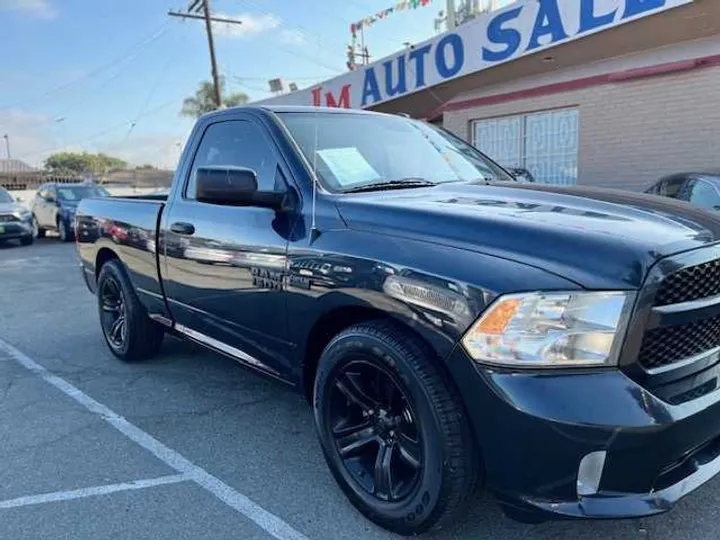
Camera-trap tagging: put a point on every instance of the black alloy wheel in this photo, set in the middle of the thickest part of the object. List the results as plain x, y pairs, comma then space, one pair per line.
129, 332
113, 313
374, 430
393, 428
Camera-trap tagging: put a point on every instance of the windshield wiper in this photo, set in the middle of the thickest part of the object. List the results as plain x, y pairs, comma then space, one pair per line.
392, 184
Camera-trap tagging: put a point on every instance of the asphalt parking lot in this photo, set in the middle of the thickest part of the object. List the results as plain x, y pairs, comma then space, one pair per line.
189, 445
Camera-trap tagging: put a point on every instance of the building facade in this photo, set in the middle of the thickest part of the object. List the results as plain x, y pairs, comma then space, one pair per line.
613, 93
621, 122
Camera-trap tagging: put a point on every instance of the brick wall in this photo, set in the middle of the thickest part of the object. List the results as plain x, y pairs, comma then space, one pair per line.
631, 133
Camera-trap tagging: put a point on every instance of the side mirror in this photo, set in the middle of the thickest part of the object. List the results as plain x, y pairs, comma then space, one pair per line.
19, 199
522, 174
234, 186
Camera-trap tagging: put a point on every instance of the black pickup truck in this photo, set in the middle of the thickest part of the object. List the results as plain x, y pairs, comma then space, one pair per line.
450, 326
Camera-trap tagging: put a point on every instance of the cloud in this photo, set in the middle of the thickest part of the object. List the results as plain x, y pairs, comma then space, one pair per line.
252, 25
39, 8
293, 37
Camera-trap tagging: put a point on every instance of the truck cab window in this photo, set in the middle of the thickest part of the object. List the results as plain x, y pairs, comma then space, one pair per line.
235, 143
671, 187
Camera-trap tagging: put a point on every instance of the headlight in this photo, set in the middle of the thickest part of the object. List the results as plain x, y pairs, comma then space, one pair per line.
569, 329
23, 215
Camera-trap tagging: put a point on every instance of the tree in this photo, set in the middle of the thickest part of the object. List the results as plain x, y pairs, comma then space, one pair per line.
79, 164
204, 100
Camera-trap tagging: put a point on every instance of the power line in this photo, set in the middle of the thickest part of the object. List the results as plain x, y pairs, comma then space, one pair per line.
238, 81
246, 4
130, 51
202, 17
102, 133
121, 66
267, 78
151, 93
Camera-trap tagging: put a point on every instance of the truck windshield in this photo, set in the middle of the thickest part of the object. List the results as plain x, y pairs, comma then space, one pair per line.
353, 152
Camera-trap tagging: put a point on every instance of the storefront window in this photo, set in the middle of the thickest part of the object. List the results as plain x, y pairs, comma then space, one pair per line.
545, 143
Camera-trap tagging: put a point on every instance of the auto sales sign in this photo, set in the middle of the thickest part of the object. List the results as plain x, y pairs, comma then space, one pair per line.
494, 38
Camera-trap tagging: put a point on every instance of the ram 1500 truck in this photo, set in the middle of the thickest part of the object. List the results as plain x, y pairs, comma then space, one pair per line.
449, 325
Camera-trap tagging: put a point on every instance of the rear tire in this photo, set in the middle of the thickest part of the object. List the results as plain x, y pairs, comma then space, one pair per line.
393, 429
38, 228
128, 331
64, 232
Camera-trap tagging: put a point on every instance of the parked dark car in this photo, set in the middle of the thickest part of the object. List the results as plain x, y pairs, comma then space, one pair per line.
701, 189
16, 221
55, 204
449, 325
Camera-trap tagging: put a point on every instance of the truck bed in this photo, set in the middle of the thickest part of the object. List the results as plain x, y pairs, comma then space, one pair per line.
125, 227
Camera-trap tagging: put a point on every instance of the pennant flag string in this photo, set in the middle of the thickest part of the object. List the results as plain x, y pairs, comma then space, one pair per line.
401, 5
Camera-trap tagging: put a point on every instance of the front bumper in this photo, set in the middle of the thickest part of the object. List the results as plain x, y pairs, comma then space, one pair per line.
534, 429
11, 230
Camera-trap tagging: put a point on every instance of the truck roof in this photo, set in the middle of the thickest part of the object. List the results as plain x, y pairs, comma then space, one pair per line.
292, 109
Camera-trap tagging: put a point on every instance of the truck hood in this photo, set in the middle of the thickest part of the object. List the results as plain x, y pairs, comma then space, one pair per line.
597, 238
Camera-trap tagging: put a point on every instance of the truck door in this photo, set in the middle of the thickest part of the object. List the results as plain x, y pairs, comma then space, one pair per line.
225, 265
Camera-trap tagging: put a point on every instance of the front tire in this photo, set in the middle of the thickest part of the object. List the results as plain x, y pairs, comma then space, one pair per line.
393, 429
27, 241
128, 331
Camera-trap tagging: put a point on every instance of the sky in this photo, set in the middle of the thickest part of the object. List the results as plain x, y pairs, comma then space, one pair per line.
110, 75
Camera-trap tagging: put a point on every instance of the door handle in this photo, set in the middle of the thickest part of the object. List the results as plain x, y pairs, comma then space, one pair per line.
182, 228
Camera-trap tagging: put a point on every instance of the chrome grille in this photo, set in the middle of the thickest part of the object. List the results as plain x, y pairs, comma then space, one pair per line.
679, 348
666, 345
7, 218
695, 393
692, 283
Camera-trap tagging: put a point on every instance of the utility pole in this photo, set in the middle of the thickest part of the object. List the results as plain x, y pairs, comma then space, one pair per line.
7, 145
193, 13
211, 46
450, 15
356, 51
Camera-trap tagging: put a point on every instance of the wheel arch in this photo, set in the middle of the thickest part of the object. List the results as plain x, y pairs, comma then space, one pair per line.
104, 255
335, 320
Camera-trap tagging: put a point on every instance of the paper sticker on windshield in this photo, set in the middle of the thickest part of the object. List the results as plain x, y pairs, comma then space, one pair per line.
348, 166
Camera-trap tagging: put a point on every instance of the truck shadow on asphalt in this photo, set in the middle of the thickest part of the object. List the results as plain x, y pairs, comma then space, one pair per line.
258, 436
225, 394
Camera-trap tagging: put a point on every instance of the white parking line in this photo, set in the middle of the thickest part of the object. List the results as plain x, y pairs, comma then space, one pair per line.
239, 502
92, 491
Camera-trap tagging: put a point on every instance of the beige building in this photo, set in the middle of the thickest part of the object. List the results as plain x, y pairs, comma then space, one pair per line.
620, 122
618, 106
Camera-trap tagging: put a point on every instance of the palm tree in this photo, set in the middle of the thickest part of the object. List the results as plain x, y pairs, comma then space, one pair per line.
204, 100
